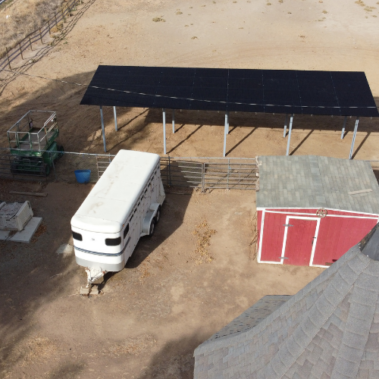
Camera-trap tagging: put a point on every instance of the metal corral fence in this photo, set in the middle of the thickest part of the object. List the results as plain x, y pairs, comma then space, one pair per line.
63, 168
202, 173
210, 173
8, 56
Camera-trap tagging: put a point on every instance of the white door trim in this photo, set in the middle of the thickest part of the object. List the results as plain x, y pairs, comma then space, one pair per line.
317, 219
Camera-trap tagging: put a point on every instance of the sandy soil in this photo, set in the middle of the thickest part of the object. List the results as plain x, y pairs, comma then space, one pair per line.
307, 34
172, 295
154, 313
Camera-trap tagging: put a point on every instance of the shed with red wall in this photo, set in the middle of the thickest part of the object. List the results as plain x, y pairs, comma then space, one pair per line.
345, 199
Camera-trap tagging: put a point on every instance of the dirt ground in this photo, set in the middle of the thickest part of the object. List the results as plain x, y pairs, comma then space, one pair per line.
174, 293
270, 34
169, 298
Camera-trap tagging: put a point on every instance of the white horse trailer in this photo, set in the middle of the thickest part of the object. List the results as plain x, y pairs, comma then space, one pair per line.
124, 205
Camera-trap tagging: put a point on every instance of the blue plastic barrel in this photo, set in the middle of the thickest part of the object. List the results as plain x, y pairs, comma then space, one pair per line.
83, 176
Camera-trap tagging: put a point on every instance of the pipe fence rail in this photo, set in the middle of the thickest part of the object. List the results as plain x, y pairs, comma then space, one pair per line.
202, 173
10, 55
210, 173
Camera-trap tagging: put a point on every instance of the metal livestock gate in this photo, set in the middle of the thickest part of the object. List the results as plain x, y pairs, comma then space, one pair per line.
210, 173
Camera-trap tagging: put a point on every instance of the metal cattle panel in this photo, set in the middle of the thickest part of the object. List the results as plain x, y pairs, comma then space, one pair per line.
231, 175
220, 174
181, 173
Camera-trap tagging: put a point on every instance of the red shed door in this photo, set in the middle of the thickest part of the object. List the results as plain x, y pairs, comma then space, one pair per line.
299, 240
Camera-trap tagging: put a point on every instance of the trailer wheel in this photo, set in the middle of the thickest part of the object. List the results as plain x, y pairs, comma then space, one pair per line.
152, 227
158, 215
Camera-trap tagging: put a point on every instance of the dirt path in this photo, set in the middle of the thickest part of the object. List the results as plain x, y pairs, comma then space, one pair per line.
174, 293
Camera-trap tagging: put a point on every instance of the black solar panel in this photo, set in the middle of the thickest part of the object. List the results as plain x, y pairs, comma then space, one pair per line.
271, 91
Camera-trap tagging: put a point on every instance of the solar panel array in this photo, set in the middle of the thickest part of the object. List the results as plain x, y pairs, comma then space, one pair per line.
244, 90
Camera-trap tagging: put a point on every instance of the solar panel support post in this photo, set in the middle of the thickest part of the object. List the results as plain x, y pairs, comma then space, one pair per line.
102, 127
343, 128
173, 121
164, 129
289, 134
115, 118
355, 134
285, 126
226, 130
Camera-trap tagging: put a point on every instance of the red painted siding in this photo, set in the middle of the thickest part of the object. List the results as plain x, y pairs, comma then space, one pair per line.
273, 234
299, 241
335, 237
259, 223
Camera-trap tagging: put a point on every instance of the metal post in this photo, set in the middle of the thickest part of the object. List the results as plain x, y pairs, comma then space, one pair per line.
48, 23
102, 127
115, 118
285, 126
226, 130
355, 134
169, 171
30, 43
289, 135
40, 35
173, 121
343, 128
164, 130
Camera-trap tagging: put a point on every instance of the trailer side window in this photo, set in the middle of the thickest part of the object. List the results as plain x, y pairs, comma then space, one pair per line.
126, 230
113, 241
77, 236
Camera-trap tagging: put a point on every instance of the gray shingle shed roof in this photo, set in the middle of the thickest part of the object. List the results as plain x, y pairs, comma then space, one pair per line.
329, 329
320, 182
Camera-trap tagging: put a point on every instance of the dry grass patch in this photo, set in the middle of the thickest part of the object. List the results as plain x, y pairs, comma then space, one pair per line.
25, 17
204, 234
159, 19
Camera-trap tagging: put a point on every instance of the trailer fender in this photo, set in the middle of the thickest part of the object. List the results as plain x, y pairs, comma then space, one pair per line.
149, 218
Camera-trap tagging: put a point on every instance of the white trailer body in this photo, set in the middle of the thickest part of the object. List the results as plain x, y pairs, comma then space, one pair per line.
123, 206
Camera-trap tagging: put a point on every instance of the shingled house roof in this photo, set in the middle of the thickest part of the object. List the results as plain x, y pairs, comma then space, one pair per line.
320, 182
329, 329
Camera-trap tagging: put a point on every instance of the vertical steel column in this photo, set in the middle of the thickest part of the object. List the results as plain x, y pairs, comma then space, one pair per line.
102, 127
285, 126
289, 134
355, 134
115, 118
164, 130
173, 121
343, 128
226, 128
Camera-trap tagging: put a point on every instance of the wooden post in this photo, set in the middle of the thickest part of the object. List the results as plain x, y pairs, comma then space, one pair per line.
56, 21
30, 42
9, 62
62, 13
40, 35
48, 23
